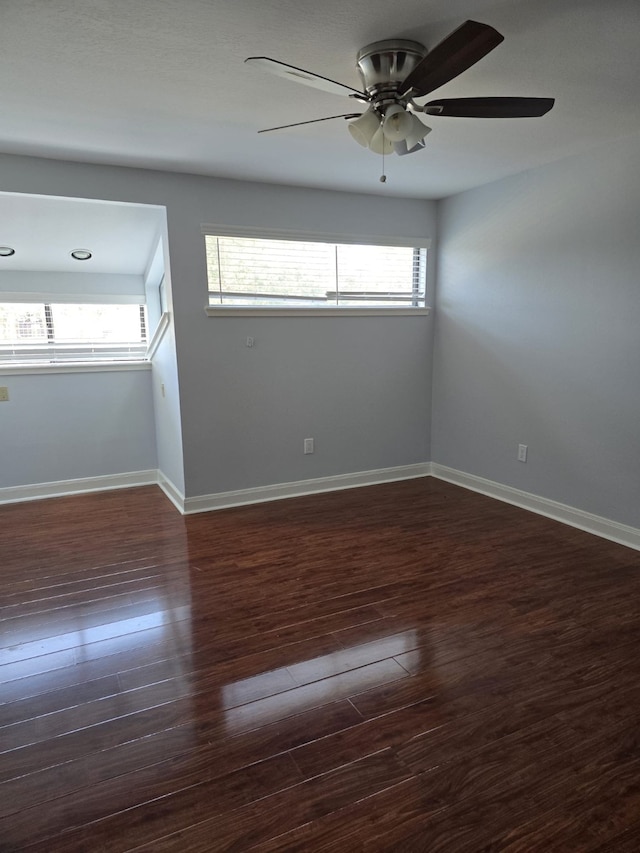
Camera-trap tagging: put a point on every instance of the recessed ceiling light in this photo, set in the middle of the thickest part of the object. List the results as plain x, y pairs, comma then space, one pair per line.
81, 254
6, 251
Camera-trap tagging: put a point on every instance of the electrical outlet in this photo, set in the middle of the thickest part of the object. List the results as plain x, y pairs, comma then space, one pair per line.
4, 394
251, 341
308, 445
522, 452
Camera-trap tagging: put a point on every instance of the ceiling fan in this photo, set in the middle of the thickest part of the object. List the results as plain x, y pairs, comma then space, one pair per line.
394, 73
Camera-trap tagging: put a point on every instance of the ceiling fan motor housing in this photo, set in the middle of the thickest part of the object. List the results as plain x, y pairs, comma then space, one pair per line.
384, 65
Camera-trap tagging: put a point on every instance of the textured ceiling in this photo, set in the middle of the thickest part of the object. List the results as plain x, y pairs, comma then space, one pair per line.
44, 231
162, 83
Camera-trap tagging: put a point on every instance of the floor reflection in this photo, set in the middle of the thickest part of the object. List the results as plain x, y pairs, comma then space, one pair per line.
279, 693
66, 623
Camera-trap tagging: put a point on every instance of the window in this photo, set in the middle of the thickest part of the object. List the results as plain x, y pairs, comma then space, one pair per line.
37, 333
290, 273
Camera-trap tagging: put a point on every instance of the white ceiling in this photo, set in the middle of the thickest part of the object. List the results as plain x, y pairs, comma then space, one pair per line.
44, 230
162, 83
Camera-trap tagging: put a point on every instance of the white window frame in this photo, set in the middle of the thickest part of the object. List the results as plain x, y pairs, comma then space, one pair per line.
214, 230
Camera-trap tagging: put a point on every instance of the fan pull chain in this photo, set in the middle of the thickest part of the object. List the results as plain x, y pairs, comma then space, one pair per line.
383, 177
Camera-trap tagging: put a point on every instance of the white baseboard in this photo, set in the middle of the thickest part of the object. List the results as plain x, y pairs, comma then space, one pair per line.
240, 497
171, 491
596, 524
621, 533
59, 488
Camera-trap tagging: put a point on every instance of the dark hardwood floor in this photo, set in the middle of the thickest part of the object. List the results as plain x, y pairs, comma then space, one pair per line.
407, 667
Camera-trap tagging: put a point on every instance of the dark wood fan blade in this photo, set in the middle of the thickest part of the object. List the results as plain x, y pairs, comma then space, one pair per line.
300, 75
312, 121
457, 52
490, 107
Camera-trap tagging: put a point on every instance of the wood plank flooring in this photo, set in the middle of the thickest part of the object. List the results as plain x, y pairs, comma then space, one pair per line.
406, 667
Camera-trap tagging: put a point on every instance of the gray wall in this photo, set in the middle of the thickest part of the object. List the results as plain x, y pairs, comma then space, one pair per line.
360, 386
65, 426
537, 332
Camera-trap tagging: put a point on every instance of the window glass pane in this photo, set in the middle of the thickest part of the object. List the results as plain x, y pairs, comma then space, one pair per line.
45, 333
96, 323
376, 275
261, 271
22, 323
253, 271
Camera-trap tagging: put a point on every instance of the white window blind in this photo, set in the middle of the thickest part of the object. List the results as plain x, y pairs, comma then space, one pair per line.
37, 333
252, 271
57, 287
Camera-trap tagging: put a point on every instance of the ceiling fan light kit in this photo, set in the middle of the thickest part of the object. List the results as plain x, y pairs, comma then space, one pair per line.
414, 141
379, 143
396, 72
402, 148
397, 124
382, 133
364, 127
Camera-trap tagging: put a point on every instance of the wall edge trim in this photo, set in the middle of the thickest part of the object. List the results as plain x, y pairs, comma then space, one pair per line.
597, 525
300, 488
171, 491
80, 486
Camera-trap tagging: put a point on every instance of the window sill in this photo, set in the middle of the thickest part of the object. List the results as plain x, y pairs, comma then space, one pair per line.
324, 311
158, 335
77, 367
